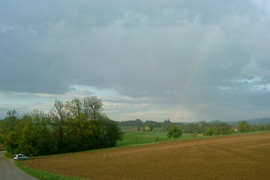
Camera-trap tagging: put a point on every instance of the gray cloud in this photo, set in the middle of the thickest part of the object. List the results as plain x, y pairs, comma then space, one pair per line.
188, 52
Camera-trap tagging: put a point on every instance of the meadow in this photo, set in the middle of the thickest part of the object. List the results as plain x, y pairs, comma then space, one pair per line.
134, 137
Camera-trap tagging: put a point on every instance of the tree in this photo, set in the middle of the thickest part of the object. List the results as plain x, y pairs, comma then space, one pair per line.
75, 108
10, 122
109, 130
209, 132
166, 125
243, 126
174, 132
59, 116
220, 128
92, 106
71, 126
148, 127
262, 127
12, 140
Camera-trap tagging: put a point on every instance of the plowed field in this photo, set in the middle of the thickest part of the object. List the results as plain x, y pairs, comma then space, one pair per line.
230, 157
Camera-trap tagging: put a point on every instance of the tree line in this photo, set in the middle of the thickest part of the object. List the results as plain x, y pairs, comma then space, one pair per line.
70, 126
202, 127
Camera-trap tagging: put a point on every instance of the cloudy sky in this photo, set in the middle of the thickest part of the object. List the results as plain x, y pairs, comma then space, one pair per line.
183, 60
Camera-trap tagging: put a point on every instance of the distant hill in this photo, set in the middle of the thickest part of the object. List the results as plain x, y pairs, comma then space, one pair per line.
265, 120
138, 122
258, 121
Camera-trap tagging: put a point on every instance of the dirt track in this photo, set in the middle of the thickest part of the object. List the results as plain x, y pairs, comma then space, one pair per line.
8, 171
231, 157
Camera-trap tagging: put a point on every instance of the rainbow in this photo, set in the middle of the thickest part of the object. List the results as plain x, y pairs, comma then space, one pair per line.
201, 53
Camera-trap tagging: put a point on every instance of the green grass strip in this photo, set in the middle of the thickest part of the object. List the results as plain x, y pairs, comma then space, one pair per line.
42, 175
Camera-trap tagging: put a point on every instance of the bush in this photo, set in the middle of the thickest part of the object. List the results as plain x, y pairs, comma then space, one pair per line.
174, 132
158, 139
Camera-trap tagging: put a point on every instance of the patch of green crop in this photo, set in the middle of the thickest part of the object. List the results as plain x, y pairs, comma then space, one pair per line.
132, 137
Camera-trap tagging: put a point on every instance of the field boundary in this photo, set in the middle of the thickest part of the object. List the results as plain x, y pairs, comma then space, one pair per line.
152, 143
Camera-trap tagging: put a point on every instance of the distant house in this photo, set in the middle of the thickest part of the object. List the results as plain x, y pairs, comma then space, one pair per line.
235, 129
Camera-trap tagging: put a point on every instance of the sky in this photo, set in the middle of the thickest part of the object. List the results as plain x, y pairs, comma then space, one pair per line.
183, 60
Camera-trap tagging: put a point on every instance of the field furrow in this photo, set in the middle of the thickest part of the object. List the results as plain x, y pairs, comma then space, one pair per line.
228, 157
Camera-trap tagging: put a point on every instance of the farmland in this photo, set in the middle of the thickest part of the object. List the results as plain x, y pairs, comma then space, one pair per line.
134, 137
227, 157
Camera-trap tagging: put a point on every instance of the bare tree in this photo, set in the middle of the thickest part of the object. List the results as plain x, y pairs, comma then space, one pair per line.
59, 117
92, 106
75, 107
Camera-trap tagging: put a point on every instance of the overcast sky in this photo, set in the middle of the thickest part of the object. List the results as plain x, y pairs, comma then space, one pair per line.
183, 60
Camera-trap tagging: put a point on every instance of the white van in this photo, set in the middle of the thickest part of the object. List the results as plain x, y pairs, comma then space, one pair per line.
20, 157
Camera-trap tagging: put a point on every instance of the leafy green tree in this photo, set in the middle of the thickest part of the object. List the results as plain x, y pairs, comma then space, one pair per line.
209, 132
12, 140
243, 126
220, 128
109, 131
262, 127
174, 132
10, 122
28, 143
231, 131
11, 128
35, 137
80, 134
71, 126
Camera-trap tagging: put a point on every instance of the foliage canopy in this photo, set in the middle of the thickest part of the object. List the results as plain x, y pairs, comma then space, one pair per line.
174, 132
243, 126
75, 125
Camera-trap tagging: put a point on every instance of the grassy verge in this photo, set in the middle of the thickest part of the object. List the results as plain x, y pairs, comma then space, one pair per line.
42, 175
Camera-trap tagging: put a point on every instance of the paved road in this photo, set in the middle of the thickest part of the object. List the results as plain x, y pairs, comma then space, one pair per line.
8, 171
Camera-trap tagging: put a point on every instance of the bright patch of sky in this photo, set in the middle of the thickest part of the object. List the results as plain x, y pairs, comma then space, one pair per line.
96, 91
250, 81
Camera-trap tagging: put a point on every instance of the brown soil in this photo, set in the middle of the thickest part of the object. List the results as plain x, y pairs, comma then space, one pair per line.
229, 157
